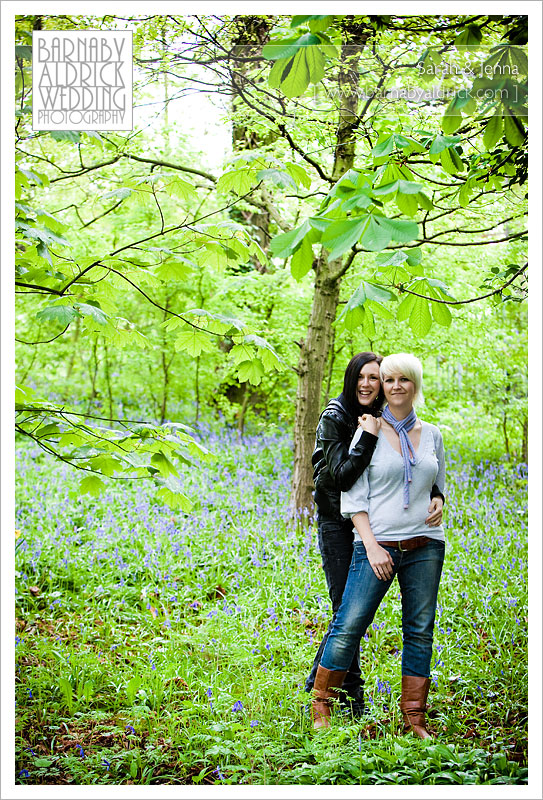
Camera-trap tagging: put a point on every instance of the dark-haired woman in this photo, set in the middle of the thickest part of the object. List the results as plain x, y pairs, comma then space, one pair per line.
336, 470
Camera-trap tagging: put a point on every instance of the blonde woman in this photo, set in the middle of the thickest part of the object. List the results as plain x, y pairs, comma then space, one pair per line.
388, 506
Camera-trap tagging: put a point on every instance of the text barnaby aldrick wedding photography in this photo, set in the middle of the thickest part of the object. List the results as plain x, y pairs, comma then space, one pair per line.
82, 80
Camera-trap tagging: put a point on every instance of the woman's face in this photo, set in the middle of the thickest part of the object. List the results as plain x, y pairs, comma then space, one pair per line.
399, 390
368, 384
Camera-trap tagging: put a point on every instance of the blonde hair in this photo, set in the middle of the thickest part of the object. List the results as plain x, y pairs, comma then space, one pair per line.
404, 364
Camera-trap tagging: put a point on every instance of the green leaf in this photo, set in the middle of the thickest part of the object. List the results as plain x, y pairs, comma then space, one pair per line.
47, 430
88, 689
175, 499
407, 204
316, 64
401, 230
378, 293
414, 256
65, 136
513, 129
384, 148
106, 464
284, 244
379, 309
276, 73
194, 342
281, 50
441, 143
302, 260
519, 58
23, 51
182, 189
89, 310
441, 314
342, 234
252, 371
67, 691
91, 484
405, 307
120, 194
297, 79
396, 258
174, 270
239, 181
164, 465
471, 36
63, 315
276, 176
242, 352
298, 173
452, 118
450, 161
317, 22
132, 687
368, 323
465, 193
420, 319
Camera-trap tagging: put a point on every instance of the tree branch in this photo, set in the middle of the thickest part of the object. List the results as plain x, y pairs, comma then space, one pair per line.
471, 300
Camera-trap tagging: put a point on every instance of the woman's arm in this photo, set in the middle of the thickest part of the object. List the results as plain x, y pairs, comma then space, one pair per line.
345, 467
435, 509
379, 558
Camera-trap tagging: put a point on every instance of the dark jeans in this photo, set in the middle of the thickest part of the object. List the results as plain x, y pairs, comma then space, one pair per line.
336, 548
418, 574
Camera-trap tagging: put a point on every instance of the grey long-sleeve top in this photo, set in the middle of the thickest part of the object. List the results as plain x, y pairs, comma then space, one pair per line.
379, 490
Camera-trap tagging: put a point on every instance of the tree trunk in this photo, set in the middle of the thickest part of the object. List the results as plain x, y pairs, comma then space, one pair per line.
311, 365
505, 436
314, 351
252, 34
525, 440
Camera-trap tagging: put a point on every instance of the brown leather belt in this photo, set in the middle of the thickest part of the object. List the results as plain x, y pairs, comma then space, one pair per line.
407, 544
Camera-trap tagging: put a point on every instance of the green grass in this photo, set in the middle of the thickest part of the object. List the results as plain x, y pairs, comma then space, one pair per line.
161, 648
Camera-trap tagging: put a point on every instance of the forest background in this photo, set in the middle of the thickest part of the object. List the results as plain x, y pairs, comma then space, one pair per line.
177, 311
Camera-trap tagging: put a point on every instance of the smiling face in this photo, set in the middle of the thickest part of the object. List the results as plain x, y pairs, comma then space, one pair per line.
368, 384
399, 390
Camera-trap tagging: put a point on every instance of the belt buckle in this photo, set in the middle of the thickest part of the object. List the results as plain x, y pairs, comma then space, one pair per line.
400, 548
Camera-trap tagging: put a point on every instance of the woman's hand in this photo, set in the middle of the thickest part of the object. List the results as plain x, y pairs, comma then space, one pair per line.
435, 512
381, 562
370, 424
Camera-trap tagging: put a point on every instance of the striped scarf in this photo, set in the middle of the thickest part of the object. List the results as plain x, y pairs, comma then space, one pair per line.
401, 427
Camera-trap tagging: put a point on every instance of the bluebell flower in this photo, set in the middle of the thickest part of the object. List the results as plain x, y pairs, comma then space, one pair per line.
238, 706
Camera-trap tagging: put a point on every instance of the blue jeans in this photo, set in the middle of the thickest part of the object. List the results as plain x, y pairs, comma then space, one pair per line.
336, 548
418, 574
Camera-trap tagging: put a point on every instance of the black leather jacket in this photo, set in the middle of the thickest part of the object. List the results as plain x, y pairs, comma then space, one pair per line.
335, 470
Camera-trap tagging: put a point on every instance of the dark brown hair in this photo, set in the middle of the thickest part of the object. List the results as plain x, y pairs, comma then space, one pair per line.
350, 382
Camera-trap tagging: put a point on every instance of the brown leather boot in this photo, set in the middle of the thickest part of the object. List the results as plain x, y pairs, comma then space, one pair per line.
327, 681
413, 704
